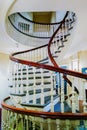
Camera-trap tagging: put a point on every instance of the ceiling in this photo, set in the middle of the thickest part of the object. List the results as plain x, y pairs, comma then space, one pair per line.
79, 38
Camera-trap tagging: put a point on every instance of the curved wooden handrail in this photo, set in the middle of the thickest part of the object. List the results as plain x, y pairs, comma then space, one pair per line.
49, 67
33, 22
55, 68
38, 22
52, 115
50, 42
52, 68
16, 53
26, 33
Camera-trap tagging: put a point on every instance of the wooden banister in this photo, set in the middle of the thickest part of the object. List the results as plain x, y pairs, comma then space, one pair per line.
52, 115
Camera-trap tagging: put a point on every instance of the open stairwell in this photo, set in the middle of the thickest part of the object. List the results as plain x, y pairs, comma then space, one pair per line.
43, 95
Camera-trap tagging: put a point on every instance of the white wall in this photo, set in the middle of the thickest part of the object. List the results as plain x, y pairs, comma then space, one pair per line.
4, 64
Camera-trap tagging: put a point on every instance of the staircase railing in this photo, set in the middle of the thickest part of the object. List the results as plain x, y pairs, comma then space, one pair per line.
34, 82
18, 118
32, 28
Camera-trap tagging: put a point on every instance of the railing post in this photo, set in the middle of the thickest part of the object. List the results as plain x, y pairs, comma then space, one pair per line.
17, 76
84, 99
34, 96
67, 124
73, 97
85, 123
62, 94
41, 123
27, 88
49, 124
81, 95
21, 77
51, 92
42, 85
57, 124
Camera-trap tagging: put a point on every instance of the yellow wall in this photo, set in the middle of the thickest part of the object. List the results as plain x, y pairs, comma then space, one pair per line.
4, 62
82, 55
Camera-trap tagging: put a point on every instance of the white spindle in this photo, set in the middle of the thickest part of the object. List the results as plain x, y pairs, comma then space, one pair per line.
49, 123
27, 126
67, 124
34, 86
16, 121
17, 77
73, 97
57, 124
62, 94
84, 98
21, 86
12, 79
42, 56
41, 123
21, 121
33, 123
81, 89
42, 87
27, 89
85, 124
51, 92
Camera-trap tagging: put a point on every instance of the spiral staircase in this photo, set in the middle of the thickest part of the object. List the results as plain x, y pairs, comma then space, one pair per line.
44, 95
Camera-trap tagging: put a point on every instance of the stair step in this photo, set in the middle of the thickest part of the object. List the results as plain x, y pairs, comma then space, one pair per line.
60, 47
70, 28
58, 51
32, 105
